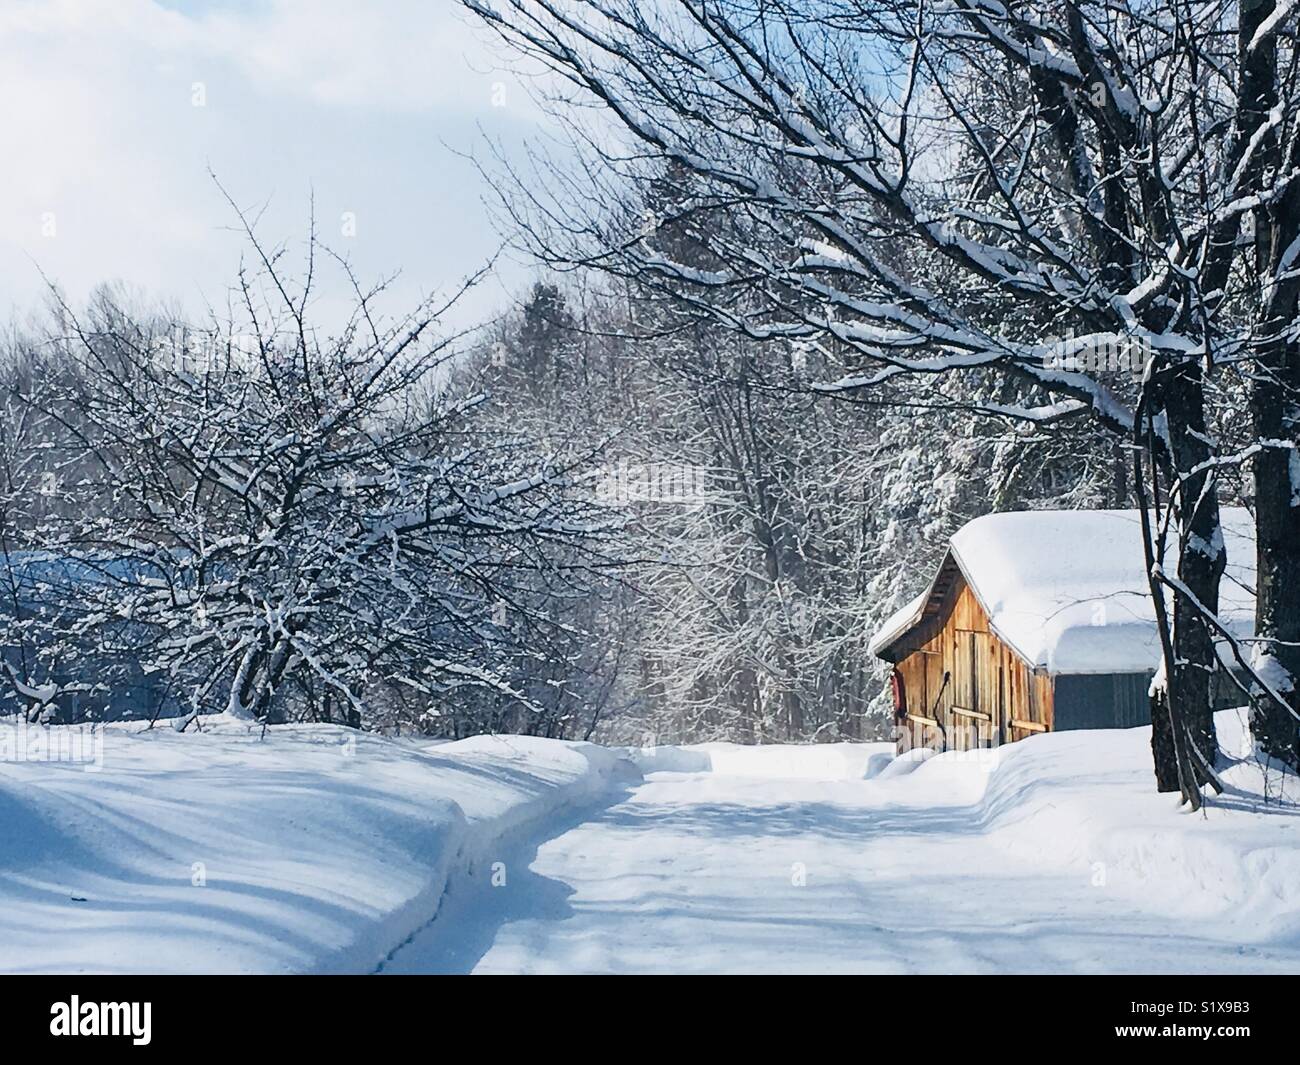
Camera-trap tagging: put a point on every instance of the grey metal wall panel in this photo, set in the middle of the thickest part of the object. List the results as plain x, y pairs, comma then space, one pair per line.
1105, 700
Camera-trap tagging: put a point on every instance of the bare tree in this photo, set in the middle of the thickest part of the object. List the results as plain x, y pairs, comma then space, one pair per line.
1022, 189
297, 520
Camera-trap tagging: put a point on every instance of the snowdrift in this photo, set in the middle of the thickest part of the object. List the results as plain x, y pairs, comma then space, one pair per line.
815, 761
1084, 800
316, 849
1081, 801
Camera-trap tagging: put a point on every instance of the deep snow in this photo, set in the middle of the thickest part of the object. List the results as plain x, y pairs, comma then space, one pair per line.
1050, 855
326, 850
315, 849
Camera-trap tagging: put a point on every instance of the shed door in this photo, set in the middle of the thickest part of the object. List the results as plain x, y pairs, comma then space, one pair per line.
975, 693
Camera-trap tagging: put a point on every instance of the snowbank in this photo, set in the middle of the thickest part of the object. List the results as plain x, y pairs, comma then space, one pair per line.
907, 762
1085, 800
1076, 803
321, 850
316, 849
813, 761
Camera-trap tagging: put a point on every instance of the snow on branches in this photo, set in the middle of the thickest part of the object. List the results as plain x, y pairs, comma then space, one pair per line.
295, 521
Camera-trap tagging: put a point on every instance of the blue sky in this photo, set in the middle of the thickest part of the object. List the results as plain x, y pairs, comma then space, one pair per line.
115, 110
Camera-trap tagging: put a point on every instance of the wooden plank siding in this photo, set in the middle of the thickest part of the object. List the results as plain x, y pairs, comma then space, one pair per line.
991, 695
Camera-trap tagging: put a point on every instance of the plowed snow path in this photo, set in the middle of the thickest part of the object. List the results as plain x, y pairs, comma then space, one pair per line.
707, 873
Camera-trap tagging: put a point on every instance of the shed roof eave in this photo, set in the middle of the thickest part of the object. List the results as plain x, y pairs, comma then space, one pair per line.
908, 617
906, 620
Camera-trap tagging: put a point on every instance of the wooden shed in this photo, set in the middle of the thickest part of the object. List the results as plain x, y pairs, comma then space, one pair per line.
1038, 621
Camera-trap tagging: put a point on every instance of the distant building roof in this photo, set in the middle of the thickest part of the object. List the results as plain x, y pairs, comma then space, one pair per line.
1067, 591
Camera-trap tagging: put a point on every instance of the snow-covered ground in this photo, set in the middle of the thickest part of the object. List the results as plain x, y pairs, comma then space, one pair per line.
1049, 855
317, 849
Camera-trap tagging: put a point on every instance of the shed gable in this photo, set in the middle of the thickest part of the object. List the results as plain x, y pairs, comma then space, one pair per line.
963, 687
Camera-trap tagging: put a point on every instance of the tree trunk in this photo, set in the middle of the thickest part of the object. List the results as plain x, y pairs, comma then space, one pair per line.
1200, 565
1162, 744
1275, 408
1277, 547
1184, 747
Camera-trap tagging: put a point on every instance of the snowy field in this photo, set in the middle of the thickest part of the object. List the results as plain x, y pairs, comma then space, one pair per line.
321, 850
317, 849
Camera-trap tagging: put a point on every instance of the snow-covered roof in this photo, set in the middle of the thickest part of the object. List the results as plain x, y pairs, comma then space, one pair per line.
899, 622
1067, 590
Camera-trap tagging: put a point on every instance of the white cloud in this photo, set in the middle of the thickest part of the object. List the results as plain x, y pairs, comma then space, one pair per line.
107, 154
398, 56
